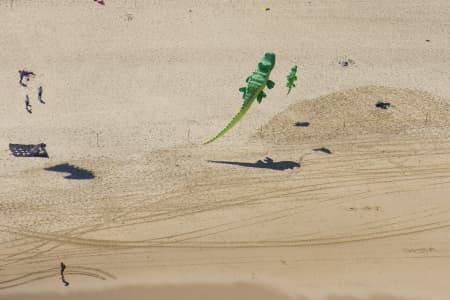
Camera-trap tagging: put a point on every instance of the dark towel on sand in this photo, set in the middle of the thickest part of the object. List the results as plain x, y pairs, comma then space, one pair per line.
20, 150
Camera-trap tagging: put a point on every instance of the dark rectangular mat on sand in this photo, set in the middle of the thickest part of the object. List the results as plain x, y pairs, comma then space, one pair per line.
20, 150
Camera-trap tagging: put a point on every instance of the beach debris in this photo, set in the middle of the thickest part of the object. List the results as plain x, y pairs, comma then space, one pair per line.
419, 250
366, 208
253, 91
323, 149
427, 41
302, 124
25, 74
383, 105
129, 17
346, 62
33, 150
265, 8
63, 268
100, 2
27, 104
291, 78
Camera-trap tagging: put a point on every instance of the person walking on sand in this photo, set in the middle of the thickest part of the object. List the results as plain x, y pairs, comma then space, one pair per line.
40, 95
25, 74
63, 267
27, 104
21, 75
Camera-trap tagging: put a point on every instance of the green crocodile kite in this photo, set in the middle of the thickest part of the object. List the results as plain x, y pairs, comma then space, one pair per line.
291, 78
254, 90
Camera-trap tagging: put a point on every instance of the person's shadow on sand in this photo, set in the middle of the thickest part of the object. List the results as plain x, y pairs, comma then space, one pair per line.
268, 163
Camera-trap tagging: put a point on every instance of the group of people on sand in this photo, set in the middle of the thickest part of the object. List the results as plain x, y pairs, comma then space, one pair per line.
24, 74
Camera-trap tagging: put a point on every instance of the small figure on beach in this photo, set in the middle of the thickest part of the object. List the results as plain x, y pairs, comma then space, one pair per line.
27, 104
25, 74
39, 150
63, 267
40, 95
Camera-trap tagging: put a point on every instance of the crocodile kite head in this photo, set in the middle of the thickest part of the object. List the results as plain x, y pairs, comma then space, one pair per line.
267, 63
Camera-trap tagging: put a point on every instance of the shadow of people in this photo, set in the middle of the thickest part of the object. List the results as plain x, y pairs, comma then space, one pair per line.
40, 91
302, 124
27, 104
268, 163
75, 172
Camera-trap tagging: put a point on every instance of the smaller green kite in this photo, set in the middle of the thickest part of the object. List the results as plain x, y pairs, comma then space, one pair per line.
291, 78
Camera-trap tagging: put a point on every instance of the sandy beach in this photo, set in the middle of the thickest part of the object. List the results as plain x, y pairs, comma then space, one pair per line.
315, 195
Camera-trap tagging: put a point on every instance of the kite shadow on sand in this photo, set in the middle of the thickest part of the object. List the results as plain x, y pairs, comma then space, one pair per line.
268, 163
75, 172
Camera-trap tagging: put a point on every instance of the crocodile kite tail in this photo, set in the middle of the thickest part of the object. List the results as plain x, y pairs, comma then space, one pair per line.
233, 122
289, 89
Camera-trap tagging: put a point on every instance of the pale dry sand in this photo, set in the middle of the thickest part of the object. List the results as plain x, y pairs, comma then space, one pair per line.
132, 89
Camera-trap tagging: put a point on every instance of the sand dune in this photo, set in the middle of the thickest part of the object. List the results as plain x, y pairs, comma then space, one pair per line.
352, 113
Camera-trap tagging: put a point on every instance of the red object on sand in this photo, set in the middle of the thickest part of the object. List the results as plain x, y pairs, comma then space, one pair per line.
100, 2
